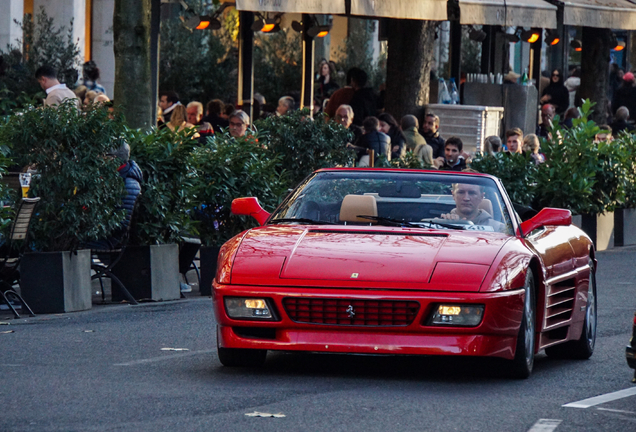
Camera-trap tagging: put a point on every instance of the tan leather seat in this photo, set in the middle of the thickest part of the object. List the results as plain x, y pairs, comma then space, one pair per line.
354, 205
486, 205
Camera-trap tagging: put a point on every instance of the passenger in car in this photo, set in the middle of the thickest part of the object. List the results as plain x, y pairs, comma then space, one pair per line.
468, 201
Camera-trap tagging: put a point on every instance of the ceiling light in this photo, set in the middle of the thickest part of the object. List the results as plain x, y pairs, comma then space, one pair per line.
512, 37
478, 35
268, 25
530, 36
297, 26
552, 38
318, 31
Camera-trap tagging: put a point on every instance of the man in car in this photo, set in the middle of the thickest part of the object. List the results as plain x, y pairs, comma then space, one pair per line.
468, 198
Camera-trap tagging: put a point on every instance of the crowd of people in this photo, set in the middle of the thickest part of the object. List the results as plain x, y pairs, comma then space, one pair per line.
358, 108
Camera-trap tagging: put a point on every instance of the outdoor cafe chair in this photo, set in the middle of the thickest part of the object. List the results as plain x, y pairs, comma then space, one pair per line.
13, 251
104, 260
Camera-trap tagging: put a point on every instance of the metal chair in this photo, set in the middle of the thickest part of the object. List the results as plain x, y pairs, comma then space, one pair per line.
17, 242
188, 248
103, 261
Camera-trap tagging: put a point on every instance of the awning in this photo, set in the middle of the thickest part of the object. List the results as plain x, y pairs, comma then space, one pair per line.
613, 14
293, 6
524, 13
431, 10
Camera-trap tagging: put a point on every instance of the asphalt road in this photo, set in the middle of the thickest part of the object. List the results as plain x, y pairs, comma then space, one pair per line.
108, 370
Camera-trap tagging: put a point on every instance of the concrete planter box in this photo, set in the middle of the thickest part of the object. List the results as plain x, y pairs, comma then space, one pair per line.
625, 227
600, 228
207, 265
56, 282
149, 273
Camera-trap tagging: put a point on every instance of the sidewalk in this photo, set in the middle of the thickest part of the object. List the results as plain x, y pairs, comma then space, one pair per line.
98, 304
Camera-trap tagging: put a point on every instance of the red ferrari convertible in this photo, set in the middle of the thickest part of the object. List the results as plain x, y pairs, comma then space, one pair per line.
394, 261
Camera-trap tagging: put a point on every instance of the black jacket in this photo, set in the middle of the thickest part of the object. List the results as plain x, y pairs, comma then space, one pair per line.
621, 125
363, 104
377, 141
459, 167
216, 121
436, 142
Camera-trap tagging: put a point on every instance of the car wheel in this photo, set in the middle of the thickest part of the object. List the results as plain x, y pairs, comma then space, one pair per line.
521, 366
583, 348
240, 357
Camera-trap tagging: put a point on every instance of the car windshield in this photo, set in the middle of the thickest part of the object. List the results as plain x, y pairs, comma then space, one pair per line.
388, 198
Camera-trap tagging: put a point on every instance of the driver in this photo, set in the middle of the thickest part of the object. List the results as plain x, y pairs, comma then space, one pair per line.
467, 198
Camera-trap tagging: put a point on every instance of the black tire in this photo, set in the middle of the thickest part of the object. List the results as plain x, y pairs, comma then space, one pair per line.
237, 357
583, 347
521, 366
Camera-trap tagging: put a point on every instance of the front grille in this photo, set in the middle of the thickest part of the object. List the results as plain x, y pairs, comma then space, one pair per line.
351, 312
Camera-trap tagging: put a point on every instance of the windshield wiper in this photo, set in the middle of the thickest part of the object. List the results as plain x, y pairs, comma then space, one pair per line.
301, 220
431, 222
397, 222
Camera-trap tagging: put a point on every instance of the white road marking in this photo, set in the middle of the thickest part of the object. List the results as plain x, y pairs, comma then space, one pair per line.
615, 410
545, 425
597, 400
163, 358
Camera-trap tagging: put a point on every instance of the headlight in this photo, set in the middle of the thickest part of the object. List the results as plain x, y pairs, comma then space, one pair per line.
252, 308
457, 315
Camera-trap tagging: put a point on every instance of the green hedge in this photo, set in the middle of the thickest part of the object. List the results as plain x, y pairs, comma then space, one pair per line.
578, 174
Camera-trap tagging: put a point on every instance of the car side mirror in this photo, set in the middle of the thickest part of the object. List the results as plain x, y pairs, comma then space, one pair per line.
249, 207
547, 216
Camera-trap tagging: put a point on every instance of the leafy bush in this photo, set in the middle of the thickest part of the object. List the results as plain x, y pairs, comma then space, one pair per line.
408, 161
78, 184
517, 172
167, 192
43, 44
627, 142
305, 145
578, 174
232, 168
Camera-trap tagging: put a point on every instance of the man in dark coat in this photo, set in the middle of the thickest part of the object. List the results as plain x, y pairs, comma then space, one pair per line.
625, 95
430, 132
620, 123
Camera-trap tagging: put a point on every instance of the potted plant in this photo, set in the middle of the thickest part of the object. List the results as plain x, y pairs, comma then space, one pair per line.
625, 213
230, 168
80, 191
584, 176
264, 164
305, 145
150, 268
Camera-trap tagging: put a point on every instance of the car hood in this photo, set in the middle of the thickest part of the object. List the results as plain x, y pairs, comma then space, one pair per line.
365, 257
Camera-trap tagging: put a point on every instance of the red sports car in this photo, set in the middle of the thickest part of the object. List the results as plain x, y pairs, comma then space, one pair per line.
395, 261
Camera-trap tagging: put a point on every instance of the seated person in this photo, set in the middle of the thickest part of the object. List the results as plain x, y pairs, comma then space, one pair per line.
132, 177
452, 159
468, 198
373, 139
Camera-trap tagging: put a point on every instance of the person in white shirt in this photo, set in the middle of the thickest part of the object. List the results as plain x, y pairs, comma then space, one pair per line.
56, 93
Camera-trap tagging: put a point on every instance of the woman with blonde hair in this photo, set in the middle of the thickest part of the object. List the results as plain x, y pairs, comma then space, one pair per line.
531, 145
178, 120
424, 153
90, 97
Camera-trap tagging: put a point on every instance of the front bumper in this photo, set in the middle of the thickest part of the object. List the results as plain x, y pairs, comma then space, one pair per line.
496, 335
